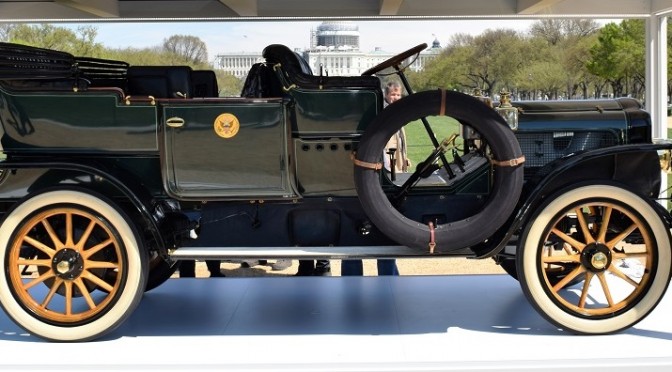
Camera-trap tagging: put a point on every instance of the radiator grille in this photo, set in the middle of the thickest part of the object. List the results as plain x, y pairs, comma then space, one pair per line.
540, 148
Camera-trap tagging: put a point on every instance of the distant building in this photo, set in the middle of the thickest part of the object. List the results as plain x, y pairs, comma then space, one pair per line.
335, 35
335, 48
238, 64
334, 51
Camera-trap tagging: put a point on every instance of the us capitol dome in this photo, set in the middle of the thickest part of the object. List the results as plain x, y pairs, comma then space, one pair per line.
334, 51
335, 35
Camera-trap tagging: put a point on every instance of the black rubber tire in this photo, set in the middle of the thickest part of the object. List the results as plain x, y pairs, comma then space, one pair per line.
107, 309
507, 181
561, 306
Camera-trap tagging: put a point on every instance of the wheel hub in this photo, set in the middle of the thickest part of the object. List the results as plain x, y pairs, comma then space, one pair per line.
67, 264
596, 257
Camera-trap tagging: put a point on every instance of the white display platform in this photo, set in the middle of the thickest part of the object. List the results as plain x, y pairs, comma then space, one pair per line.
407, 323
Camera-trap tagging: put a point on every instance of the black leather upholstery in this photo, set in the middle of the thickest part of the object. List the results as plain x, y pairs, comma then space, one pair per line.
46, 84
204, 83
102, 72
26, 62
299, 72
160, 81
261, 82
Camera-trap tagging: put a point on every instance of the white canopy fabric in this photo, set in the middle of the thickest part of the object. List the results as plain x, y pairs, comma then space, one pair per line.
53, 10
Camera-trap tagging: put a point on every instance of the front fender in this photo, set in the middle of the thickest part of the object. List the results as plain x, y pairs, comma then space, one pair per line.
635, 166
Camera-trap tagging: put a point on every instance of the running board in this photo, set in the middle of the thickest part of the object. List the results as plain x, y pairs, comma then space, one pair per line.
223, 253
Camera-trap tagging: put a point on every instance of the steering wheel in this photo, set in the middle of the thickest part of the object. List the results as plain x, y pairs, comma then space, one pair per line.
395, 60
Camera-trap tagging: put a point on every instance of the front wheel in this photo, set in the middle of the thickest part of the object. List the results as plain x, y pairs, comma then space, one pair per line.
614, 249
74, 268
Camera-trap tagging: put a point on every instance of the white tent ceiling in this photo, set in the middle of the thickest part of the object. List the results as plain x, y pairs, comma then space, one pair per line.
54, 10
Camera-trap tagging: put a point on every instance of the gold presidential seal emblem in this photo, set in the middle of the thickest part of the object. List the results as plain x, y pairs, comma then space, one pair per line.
226, 125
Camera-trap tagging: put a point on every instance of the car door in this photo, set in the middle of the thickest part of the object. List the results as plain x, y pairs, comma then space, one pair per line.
225, 148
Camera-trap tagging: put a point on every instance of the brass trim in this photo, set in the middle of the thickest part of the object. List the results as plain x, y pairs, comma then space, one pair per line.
175, 122
287, 89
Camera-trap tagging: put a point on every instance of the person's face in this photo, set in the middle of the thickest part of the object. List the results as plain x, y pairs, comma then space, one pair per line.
393, 94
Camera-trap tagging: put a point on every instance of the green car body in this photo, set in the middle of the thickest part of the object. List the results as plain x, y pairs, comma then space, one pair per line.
279, 176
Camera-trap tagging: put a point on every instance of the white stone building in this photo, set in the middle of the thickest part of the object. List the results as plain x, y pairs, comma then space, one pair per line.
334, 51
238, 64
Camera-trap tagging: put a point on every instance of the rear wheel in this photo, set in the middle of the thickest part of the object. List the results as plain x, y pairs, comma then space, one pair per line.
613, 251
74, 268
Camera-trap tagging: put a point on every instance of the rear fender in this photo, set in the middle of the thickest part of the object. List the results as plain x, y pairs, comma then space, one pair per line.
96, 178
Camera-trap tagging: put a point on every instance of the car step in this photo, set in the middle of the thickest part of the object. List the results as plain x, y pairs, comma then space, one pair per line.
191, 253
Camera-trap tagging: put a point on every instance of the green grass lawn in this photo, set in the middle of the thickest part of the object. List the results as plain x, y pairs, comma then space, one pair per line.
419, 144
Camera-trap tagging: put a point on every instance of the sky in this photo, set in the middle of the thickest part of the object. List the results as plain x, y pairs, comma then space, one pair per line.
233, 37
240, 36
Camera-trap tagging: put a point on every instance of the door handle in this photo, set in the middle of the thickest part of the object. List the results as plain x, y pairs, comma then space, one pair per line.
175, 122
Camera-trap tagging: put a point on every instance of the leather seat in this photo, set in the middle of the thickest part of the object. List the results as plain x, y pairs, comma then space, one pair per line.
160, 81
204, 83
299, 72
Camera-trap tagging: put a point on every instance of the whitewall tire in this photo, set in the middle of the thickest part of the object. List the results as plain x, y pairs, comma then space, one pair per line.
75, 269
615, 251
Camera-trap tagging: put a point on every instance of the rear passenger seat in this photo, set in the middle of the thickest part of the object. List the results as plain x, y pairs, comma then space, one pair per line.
160, 81
204, 83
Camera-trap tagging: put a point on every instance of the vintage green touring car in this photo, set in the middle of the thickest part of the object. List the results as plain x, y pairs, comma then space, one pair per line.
112, 174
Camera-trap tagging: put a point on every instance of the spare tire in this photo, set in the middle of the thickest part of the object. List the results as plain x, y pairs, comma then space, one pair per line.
507, 181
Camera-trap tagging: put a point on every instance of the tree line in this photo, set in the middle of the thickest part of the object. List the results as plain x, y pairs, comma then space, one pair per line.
554, 59
174, 50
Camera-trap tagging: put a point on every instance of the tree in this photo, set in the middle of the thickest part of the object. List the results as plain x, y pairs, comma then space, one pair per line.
229, 85
495, 59
557, 31
547, 77
189, 48
5, 29
618, 56
575, 59
80, 42
548, 29
153, 56
567, 44
449, 70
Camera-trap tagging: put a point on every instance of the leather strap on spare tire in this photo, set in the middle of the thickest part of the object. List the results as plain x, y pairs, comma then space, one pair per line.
507, 177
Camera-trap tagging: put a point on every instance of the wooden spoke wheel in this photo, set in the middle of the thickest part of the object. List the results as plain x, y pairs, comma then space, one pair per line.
596, 259
74, 266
